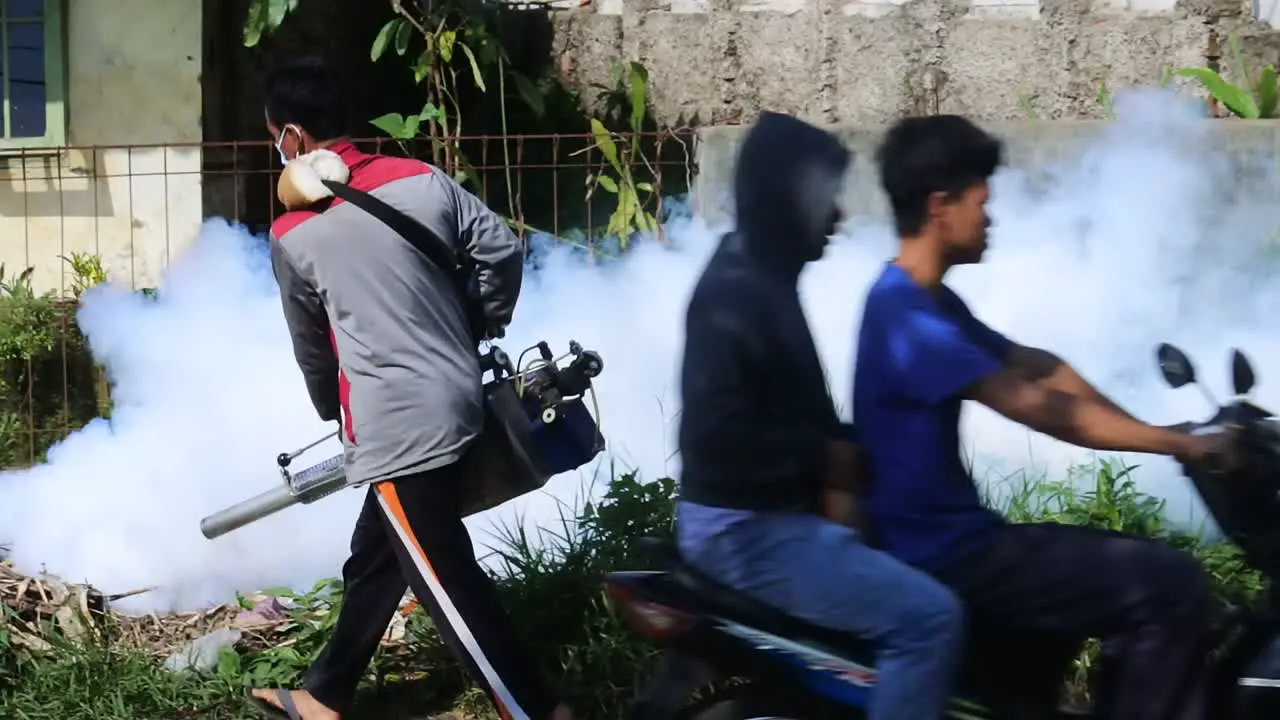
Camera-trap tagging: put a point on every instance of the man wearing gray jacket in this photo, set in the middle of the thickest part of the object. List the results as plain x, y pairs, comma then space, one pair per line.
382, 337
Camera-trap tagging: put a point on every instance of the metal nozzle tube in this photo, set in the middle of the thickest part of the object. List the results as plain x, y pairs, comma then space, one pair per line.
305, 486
247, 511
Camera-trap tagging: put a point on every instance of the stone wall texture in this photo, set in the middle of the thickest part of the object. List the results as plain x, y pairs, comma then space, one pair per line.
868, 61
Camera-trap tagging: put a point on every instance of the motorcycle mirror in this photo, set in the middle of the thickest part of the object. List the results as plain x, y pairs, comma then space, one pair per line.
1242, 378
1175, 366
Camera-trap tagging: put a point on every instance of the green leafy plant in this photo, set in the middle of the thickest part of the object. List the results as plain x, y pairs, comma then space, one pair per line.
1257, 95
10, 438
264, 17
311, 617
407, 127
444, 43
87, 271
1028, 107
46, 371
441, 50
1106, 101
630, 214
27, 318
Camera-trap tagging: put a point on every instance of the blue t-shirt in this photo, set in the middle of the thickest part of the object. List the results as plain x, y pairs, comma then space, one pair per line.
917, 351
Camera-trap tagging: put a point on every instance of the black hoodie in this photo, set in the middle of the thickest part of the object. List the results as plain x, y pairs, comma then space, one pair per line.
756, 415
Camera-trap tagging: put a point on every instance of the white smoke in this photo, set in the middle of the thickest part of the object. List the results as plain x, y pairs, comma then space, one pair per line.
1129, 243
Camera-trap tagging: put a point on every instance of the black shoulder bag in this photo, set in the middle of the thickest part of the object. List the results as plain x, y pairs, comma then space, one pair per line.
503, 463
444, 255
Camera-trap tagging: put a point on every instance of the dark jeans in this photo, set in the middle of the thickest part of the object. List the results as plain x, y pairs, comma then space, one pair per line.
410, 535
1039, 590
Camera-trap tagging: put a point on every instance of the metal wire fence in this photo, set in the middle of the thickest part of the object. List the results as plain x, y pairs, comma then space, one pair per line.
72, 216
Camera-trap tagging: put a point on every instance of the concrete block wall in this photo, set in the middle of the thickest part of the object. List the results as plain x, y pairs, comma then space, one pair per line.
1248, 148
868, 61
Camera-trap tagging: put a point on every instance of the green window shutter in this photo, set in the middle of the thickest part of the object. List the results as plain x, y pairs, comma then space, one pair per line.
23, 25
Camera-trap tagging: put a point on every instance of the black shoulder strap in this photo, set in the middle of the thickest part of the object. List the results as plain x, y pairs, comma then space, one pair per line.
418, 235
429, 244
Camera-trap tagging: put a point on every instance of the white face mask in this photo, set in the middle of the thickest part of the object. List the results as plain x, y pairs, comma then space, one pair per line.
284, 161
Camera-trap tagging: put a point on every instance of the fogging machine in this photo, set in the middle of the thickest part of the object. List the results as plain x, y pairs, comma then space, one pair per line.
537, 425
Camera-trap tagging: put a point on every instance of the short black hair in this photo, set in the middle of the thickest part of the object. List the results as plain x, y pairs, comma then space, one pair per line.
920, 156
308, 92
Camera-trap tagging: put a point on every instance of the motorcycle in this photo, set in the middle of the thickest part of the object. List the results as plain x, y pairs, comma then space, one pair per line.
760, 663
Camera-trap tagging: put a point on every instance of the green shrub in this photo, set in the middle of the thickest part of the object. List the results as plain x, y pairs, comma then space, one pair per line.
49, 384
47, 377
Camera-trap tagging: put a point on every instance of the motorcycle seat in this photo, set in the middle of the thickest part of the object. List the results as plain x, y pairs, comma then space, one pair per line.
740, 608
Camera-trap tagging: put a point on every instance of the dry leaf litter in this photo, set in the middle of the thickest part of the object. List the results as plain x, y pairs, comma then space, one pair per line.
34, 606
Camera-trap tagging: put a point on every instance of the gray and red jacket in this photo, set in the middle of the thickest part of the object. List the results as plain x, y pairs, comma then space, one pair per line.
379, 331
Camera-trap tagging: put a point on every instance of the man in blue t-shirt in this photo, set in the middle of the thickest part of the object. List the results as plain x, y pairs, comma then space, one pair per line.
1035, 591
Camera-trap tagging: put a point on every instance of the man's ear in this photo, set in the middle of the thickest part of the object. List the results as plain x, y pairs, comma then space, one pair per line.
304, 140
936, 203
303, 144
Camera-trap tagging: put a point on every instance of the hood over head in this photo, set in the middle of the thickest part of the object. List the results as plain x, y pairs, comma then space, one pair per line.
786, 189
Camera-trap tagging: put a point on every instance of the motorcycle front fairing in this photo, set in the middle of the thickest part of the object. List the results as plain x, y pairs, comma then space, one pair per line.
1246, 506
1246, 503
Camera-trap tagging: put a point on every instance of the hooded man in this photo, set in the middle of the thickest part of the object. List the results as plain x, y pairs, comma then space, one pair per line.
386, 348
764, 454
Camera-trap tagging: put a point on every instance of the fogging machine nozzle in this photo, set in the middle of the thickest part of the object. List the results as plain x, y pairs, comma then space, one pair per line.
546, 385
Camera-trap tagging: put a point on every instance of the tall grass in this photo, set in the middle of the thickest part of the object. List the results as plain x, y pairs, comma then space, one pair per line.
551, 583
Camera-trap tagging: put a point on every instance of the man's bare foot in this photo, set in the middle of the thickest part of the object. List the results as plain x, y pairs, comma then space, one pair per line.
308, 707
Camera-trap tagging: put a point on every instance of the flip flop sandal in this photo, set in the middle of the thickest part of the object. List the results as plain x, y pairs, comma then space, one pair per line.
285, 698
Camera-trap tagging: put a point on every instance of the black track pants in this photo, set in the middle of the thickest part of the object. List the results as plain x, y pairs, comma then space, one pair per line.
410, 534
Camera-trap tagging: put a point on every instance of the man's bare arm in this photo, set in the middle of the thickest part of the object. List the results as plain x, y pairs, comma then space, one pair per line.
1044, 368
1083, 421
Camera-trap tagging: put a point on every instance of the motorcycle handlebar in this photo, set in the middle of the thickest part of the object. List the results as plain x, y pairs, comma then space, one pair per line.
1256, 436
